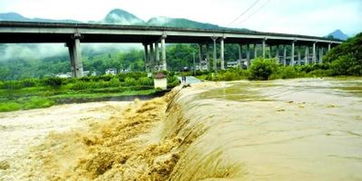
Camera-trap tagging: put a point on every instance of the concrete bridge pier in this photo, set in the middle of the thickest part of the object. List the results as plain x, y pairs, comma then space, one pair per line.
299, 57
306, 56
75, 56
240, 48
329, 47
157, 55
277, 53
248, 54
292, 59
200, 52
152, 57
71, 57
263, 47
207, 57
320, 55
285, 55
255, 52
214, 54
270, 50
222, 53
146, 57
314, 58
163, 50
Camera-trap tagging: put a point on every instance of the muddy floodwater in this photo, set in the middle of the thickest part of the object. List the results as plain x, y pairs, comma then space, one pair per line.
300, 129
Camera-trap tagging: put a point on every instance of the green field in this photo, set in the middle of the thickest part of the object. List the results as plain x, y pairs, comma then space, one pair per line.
40, 93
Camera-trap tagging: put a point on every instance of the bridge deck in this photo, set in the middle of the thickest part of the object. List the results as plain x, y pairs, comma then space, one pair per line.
36, 32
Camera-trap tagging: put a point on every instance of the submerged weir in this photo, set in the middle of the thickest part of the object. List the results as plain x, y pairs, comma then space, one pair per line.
276, 130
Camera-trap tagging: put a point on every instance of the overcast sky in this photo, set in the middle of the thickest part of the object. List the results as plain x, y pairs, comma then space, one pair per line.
309, 17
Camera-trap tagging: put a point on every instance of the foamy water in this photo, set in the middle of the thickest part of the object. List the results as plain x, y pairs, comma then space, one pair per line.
302, 129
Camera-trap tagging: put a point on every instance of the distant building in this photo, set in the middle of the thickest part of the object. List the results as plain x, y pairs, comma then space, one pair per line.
64, 75
232, 64
111, 71
86, 73
203, 65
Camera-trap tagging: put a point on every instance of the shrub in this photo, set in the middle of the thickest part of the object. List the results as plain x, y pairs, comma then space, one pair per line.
114, 82
172, 81
145, 81
320, 73
286, 73
29, 82
9, 106
80, 85
262, 69
37, 102
346, 58
129, 81
12, 84
54, 82
346, 65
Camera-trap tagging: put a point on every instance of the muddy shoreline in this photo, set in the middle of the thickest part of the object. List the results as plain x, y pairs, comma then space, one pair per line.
111, 98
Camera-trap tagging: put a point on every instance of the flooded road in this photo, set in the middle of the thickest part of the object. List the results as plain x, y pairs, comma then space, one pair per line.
300, 129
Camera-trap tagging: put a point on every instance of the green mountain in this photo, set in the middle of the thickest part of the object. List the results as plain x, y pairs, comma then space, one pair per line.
119, 16
122, 17
180, 23
17, 17
338, 34
12, 17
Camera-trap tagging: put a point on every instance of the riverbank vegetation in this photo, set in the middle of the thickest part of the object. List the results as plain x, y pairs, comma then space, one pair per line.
39, 93
343, 60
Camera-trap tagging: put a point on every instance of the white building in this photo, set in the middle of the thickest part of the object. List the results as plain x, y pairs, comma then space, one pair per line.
111, 71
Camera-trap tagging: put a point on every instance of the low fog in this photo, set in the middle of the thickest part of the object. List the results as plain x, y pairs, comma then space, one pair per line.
31, 51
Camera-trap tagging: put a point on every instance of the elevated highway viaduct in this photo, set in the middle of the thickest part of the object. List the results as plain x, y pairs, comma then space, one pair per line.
154, 40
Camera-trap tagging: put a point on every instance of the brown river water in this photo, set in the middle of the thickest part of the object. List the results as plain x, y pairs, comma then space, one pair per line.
300, 129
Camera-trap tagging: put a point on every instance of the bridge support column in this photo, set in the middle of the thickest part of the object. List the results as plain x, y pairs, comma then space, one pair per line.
71, 57
306, 56
152, 57
277, 53
207, 57
146, 55
292, 63
299, 57
200, 53
329, 47
214, 54
320, 55
248, 54
163, 47
222, 54
263, 48
157, 55
314, 58
75, 56
255, 52
285, 56
240, 46
270, 50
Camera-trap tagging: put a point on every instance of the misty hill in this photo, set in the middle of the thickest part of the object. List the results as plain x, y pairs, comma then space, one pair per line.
122, 17
180, 23
17, 17
338, 34
12, 17
119, 16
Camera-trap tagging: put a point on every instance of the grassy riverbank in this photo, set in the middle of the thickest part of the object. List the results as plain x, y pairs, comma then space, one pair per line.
40, 93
